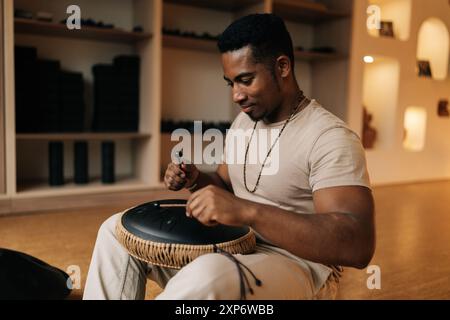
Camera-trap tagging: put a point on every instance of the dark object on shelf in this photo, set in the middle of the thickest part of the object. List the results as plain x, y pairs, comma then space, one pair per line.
386, 29
71, 102
56, 163
48, 96
108, 169
23, 277
424, 68
103, 25
189, 34
208, 36
81, 174
92, 23
300, 48
369, 133
47, 99
323, 50
44, 16
26, 89
116, 95
171, 32
443, 108
24, 14
138, 29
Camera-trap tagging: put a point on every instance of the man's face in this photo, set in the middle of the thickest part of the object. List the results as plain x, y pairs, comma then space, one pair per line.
253, 85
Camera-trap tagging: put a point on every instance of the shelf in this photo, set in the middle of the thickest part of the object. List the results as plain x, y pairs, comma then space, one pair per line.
190, 43
222, 5
42, 189
82, 136
26, 26
306, 12
211, 46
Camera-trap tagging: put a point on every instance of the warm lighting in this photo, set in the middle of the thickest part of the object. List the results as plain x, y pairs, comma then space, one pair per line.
397, 11
433, 46
415, 129
369, 59
380, 94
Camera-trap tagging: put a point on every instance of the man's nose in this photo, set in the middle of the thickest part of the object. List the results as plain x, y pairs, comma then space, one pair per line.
239, 96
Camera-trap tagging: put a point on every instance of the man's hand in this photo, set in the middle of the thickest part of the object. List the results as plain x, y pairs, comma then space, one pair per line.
213, 205
177, 178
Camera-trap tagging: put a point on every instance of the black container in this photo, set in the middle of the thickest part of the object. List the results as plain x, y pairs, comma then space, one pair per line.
81, 169
56, 163
108, 170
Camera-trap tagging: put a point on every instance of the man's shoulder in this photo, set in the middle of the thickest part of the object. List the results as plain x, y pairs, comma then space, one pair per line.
321, 119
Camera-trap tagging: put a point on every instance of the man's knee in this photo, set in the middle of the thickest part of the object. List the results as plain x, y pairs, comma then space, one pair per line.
108, 227
210, 276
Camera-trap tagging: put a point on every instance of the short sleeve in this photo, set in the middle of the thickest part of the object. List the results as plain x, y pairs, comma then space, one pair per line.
337, 158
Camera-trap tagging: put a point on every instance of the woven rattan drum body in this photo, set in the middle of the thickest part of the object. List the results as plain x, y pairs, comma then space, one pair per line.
159, 233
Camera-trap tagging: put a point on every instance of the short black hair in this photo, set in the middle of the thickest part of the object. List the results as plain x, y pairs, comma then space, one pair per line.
265, 33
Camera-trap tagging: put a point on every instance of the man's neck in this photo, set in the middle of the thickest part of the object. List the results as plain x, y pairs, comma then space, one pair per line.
286, 109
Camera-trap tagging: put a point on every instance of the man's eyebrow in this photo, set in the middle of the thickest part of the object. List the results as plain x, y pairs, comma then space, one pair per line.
240, 76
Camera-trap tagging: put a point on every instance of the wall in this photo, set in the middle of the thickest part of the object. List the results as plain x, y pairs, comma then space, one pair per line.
192, 81
395, 164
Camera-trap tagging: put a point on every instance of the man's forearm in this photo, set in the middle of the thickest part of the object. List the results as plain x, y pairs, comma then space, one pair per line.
327, 238
206, 179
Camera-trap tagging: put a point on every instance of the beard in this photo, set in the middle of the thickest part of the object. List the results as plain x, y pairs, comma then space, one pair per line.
254, 116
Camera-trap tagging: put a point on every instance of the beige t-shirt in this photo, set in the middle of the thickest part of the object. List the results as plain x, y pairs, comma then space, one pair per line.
316, 150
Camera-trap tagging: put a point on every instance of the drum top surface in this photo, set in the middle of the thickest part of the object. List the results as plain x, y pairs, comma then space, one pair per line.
153, 222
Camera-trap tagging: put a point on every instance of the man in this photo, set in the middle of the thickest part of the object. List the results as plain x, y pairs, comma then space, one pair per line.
314, 215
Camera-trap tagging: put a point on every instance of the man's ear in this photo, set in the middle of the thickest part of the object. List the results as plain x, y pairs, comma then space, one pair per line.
284, 66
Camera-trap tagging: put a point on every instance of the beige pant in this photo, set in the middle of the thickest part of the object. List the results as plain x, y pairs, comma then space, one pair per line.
114, 274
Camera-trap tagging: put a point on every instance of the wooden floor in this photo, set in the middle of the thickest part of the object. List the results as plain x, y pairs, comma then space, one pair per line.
413, 242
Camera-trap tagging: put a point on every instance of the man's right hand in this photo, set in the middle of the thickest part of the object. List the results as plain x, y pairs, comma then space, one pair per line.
177, 178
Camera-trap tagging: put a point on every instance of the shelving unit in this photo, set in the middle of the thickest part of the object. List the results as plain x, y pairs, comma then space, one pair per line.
41, 189
409, 107
26, 26
321, 24
178, 42
184, 43
307, 12
181, 77
27, 153
81, 136
220, 5
192, 66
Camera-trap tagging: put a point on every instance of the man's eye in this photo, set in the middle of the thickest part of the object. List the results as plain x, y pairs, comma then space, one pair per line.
230, 84
247, 81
